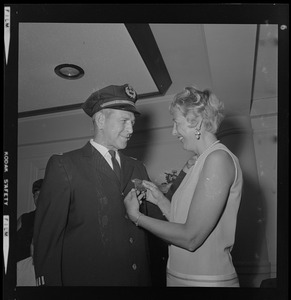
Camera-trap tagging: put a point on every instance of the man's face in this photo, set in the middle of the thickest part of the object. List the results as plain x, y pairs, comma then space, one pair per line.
117, 129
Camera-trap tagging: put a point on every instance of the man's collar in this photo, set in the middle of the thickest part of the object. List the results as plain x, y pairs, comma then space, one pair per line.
102, 149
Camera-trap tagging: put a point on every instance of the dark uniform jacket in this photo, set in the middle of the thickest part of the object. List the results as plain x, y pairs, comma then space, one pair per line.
82, 235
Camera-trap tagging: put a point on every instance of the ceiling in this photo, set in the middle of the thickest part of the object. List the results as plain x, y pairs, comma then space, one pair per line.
237, 61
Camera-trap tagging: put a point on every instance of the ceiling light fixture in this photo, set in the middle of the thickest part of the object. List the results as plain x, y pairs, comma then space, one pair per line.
69, 71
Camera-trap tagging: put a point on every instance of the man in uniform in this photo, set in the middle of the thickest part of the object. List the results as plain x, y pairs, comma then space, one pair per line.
82, 235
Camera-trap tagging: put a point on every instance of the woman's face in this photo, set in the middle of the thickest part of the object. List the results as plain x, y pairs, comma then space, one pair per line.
182, 130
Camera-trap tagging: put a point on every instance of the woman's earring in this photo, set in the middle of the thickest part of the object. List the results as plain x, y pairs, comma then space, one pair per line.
197, 133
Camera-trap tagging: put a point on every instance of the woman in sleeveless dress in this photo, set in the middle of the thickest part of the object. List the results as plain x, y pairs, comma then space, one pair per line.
202, 214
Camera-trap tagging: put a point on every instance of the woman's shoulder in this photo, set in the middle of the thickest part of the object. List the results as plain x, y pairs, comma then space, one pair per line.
219, 153
219, 159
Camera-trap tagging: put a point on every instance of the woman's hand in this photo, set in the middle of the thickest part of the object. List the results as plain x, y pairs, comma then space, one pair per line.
154, 195
131, 203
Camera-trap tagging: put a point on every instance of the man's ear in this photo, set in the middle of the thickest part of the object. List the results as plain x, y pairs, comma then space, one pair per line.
99, 119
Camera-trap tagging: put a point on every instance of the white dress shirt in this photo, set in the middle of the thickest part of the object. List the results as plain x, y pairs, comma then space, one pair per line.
104, 152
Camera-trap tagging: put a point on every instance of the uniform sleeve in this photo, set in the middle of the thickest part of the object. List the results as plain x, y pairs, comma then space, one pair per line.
50, 220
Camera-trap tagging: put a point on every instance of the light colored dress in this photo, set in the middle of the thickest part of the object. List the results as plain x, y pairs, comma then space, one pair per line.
211, 264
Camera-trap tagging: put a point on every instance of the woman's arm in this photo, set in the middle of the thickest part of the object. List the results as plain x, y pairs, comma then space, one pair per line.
207, 205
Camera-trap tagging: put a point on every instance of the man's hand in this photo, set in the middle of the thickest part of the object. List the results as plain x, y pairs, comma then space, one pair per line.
131, 203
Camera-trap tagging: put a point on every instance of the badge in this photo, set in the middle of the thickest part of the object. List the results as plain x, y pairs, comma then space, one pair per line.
130, 92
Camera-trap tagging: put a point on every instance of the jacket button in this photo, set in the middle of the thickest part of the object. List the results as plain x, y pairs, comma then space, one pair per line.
134, 266
131, 240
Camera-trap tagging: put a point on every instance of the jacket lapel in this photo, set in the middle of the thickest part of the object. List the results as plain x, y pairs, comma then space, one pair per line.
126, 171
98, 164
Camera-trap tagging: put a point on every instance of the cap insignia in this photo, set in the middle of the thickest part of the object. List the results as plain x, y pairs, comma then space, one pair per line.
130, 92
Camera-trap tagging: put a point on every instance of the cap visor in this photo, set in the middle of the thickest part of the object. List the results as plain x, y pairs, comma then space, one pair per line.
124, 107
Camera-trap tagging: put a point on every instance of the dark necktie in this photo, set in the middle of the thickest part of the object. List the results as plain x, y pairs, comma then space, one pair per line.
116, 166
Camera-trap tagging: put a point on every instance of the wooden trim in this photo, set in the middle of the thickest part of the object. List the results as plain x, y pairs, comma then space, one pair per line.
49, 110
255, 65
57, 109
145, 43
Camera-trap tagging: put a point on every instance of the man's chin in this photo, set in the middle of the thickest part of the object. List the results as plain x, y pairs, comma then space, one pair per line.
122, 145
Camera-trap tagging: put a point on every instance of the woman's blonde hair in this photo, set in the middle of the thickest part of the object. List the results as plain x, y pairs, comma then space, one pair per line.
193, 103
